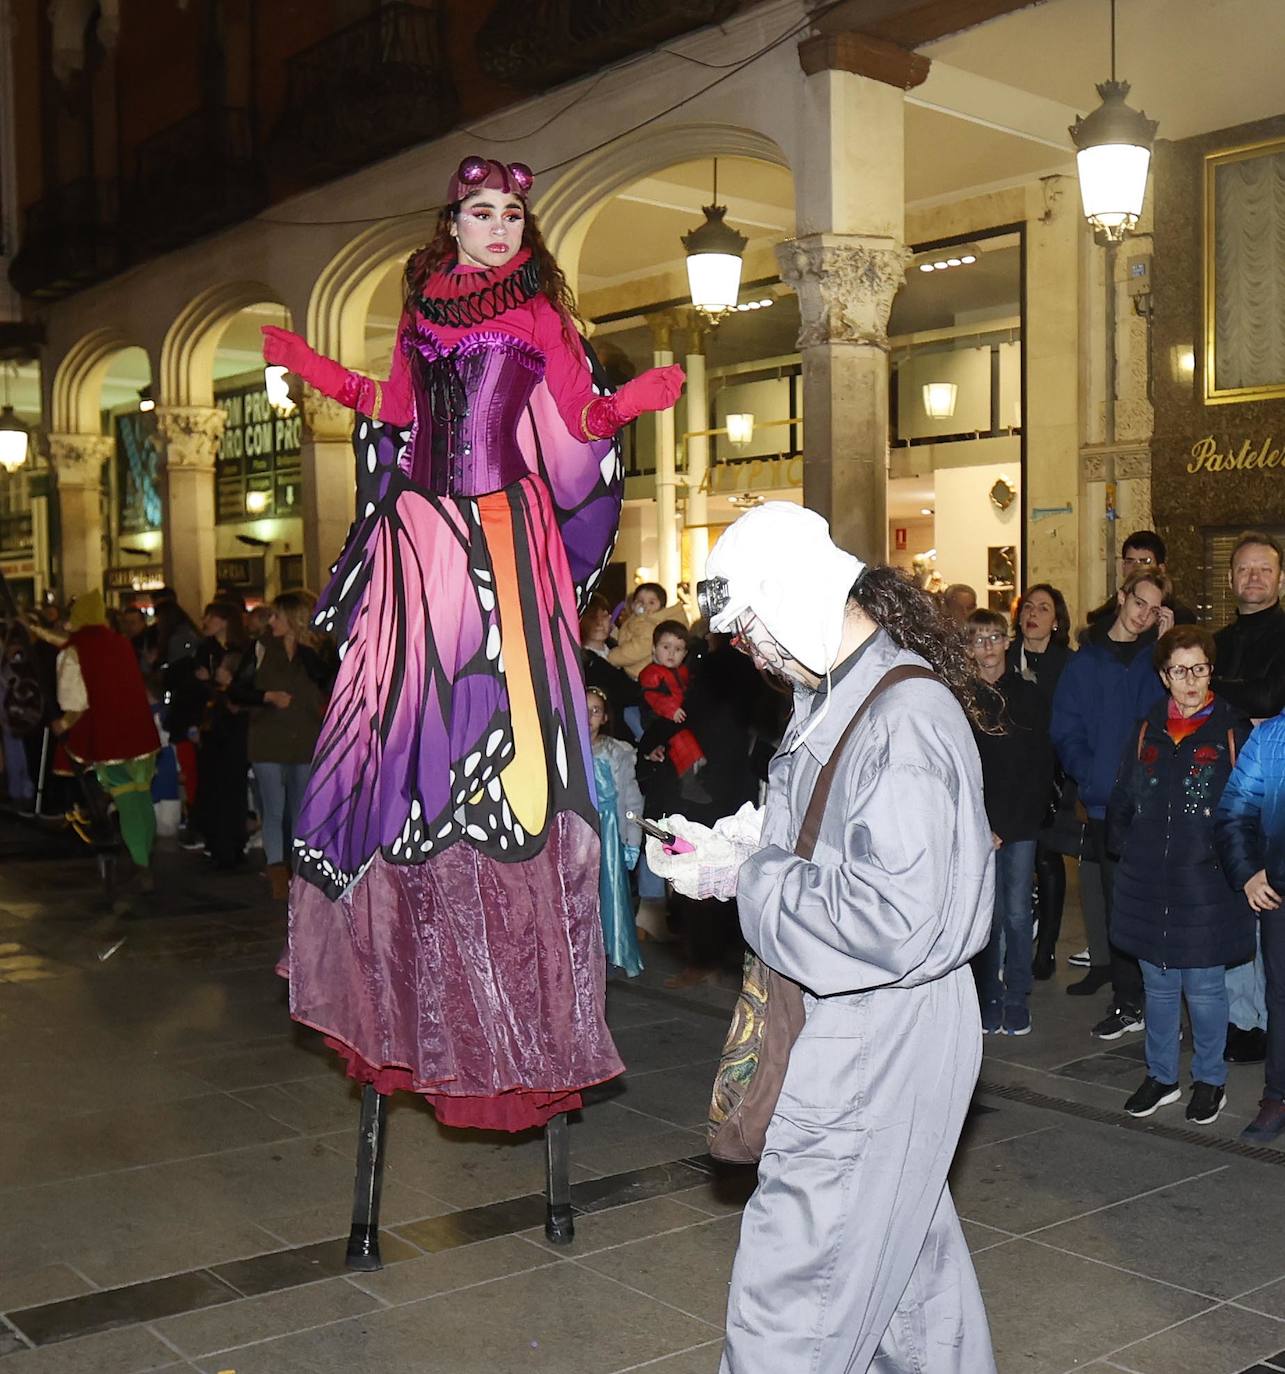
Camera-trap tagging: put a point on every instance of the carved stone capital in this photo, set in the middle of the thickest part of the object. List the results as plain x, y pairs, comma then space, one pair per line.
325, 419
845, 284
78, 458
190, 436
1132, 462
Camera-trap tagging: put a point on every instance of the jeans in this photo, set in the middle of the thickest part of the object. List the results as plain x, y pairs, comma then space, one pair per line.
1247, 993
1126, 978
1011, 929
1206, 992
1271, 931
281, 787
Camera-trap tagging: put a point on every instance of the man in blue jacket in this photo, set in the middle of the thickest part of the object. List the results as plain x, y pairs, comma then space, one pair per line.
1249, 827
1103, 692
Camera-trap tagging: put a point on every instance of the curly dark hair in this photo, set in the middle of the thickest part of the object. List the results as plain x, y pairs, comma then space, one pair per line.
916, 621
440, 252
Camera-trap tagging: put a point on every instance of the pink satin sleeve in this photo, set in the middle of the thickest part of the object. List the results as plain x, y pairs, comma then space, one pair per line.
586, 415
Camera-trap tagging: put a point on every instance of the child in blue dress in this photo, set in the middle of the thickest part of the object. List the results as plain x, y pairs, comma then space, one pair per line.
618, 792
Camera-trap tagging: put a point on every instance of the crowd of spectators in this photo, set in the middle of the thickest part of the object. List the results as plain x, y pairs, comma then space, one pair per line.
1144, 750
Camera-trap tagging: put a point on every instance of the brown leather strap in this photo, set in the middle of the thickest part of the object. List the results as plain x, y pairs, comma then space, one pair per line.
811, 827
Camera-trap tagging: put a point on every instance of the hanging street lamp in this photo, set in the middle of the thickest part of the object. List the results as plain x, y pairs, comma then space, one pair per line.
14, 440
714, 261
1113, 155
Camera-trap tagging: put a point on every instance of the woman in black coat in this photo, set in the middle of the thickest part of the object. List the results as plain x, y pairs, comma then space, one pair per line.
1175, 909
1039, 651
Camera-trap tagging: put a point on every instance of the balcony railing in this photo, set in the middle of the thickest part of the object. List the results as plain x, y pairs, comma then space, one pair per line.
70, 241
535, 44
365, 92
196, 176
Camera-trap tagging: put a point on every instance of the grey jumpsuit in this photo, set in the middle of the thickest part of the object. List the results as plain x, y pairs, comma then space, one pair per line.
851, 1256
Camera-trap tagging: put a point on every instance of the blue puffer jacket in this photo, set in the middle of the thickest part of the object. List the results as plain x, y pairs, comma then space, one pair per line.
1250, 823
1174, 904
1096, 708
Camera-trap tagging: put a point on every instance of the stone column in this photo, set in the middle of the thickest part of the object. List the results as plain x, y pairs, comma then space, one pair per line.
846, 266
845, 284
77, 462
667, 552
188, 438
329, 484
696, 511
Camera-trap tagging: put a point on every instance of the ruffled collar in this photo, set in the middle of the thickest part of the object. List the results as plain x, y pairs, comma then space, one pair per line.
463, 279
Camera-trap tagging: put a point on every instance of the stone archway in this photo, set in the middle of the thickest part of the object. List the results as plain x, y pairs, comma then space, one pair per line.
568, 208
342, 294
78, 381
187, 353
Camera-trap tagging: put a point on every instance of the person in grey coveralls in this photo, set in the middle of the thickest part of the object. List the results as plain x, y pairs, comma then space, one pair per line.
851, 1257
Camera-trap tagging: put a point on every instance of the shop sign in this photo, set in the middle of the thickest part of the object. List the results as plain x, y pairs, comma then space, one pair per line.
1206, 456
239, 572
142, 577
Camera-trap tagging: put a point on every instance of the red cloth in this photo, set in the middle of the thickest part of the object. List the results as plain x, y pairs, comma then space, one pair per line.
118, 723
520, 1110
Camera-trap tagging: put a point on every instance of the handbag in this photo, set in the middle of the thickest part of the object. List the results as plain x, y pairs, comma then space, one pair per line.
769, 1013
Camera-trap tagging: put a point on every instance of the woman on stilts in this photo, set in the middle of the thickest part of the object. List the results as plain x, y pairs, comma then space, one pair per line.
444, 928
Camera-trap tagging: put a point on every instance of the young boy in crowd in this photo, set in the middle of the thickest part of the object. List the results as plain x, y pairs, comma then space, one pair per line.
1017, 782
664, 682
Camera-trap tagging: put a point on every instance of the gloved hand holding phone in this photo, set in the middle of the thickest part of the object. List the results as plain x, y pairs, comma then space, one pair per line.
711, 866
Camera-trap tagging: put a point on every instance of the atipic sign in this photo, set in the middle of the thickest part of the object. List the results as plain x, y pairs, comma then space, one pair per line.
258, 470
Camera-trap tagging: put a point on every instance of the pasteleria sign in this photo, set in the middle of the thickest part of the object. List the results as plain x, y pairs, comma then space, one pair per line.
1206, 456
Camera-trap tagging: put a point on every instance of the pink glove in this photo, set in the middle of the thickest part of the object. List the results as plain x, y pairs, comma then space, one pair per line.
284, 349
656, 389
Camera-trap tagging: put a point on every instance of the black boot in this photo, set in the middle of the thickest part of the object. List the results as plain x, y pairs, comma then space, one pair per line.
1096, 978
1050, 895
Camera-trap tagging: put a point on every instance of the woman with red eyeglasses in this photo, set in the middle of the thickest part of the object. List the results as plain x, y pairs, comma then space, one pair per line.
1175, 909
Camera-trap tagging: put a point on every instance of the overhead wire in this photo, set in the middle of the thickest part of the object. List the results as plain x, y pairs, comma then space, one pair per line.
728, 70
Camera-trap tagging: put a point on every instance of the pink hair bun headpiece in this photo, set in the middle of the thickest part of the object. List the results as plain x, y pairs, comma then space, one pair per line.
486, 174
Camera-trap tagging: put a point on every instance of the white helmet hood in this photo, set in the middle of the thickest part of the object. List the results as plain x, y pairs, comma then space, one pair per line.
779, 562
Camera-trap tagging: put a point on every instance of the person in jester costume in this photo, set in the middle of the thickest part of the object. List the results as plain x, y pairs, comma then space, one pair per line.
444, 932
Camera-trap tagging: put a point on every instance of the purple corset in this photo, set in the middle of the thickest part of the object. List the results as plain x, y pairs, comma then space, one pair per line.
468, 401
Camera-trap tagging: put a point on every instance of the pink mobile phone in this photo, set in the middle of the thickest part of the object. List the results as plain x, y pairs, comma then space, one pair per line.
669, 842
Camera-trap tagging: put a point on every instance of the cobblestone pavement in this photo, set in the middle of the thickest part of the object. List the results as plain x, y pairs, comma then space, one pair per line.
177, 1161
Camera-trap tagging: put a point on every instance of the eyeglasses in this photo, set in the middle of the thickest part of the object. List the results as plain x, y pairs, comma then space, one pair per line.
1180, 672
1146, 561
996, 638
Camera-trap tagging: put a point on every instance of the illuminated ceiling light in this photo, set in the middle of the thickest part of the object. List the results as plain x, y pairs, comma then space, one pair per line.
740, 428
145, 402
256, 502
925, 267
941, 265
967, 257
925, 510
1113, 154
953, 262
714, 252
15, 438
745, 500
939, 400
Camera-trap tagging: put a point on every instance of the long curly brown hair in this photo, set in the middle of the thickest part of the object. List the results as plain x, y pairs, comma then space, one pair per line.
440, 251
917, 622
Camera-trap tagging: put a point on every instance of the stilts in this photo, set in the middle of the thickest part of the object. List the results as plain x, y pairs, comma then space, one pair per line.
363, 1239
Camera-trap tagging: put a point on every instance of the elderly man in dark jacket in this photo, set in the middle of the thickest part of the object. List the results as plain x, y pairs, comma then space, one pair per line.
1175, 909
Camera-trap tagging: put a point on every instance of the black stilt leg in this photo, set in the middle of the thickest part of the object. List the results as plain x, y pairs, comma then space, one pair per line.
559, 1222
363, 1239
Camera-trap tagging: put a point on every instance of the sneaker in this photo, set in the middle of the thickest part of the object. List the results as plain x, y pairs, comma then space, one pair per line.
1207, 1100
1080, 960
992, 1018
1266, 1128
1152, 1095
1121, 1020
1017, 1021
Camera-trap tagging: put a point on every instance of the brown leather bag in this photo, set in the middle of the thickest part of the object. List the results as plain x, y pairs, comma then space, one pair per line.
769, 1015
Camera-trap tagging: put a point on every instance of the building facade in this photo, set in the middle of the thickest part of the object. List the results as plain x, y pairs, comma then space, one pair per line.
927, 346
